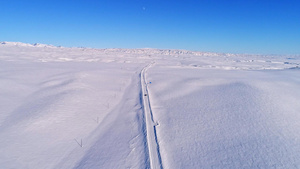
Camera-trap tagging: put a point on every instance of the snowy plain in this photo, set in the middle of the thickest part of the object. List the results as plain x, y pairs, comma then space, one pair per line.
147, 108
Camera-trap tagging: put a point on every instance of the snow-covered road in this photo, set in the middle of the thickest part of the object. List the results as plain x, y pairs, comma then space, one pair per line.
151, 124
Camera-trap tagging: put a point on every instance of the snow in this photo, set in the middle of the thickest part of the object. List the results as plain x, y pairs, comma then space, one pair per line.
85, 108
227, 119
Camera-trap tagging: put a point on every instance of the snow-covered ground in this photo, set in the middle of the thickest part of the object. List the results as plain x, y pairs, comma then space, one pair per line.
147, 108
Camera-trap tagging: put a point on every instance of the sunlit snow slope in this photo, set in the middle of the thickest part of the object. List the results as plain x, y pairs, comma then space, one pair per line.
85, 108
227, 119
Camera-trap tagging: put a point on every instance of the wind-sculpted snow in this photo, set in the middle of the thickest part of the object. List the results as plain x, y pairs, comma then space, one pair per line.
227, 119
83, 108
47, 109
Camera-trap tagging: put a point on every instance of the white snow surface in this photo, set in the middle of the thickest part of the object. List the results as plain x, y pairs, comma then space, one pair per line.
147, 108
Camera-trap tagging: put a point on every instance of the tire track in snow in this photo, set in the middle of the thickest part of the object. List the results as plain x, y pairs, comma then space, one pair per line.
152, 140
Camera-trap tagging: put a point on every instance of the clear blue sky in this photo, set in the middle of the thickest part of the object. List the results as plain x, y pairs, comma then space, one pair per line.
241, 26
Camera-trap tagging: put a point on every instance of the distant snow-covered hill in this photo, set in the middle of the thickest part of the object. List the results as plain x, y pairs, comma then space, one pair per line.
14, 51
120, 50
20, 44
